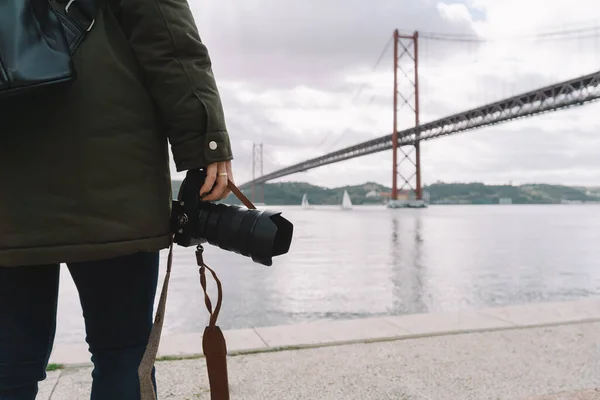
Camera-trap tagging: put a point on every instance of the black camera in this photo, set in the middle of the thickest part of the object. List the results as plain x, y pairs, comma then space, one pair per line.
259, 234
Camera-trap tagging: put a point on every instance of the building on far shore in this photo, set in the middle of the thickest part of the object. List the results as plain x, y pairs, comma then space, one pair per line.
404, 195
504, 200
372, 194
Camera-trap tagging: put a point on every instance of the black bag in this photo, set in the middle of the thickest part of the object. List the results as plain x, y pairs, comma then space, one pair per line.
37, 39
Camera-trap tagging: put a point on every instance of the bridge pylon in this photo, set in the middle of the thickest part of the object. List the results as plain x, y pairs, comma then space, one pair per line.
409, 45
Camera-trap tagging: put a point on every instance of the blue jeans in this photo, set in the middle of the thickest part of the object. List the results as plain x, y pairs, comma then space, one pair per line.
117, 298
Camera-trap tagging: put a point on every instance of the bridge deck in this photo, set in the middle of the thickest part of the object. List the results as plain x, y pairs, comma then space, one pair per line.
573, 92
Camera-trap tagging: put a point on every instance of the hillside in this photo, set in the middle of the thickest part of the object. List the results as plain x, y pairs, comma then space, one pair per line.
290, 193
479, 193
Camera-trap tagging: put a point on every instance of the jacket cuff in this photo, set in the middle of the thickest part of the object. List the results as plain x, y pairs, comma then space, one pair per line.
202, 150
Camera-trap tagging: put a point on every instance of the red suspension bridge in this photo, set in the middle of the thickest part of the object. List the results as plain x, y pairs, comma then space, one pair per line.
570, 93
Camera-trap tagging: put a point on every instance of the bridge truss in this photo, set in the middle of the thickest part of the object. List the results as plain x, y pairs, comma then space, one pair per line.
567, 94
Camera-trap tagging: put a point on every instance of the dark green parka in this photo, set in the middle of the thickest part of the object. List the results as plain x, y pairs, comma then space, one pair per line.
84, 173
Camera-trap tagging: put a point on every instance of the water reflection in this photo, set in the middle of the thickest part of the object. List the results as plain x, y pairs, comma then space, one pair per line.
407, 266
373, 261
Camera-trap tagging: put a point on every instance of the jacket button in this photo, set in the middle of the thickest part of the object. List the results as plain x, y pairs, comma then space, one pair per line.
212, 145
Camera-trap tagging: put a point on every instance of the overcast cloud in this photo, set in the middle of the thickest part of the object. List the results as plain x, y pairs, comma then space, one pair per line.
289, 72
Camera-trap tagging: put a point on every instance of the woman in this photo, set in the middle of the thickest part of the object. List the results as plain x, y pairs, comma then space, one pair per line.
86, 182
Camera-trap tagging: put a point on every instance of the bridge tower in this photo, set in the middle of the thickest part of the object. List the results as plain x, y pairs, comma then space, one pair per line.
409, 45
258, 190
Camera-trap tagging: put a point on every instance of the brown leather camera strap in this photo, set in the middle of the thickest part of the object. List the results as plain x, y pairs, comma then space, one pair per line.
214, 346
213, 341
231, 186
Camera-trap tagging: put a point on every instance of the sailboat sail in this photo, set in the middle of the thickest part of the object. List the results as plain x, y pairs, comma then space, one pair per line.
346, 201
305, 201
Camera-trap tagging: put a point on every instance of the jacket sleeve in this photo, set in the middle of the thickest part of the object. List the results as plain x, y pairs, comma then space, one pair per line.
178, 73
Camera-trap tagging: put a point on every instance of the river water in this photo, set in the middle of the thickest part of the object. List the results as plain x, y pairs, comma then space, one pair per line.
372, 261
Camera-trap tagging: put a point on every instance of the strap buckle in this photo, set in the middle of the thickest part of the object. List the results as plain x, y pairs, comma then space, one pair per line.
67, 11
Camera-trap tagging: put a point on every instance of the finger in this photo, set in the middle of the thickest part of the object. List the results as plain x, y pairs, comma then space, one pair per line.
220, 185
227, 191
224, 167
217, 189
211, 177
229, 168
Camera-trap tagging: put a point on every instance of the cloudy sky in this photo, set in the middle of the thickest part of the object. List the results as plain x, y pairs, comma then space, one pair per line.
299, 77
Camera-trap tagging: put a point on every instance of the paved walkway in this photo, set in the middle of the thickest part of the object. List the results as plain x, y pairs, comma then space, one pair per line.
548, 351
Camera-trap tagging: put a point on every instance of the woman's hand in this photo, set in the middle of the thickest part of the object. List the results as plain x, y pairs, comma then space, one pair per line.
215, 186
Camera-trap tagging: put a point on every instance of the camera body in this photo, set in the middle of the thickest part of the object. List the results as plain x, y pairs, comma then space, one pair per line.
259, 234
185, 207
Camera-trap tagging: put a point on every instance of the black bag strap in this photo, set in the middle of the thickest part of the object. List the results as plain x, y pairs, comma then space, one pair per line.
89, 8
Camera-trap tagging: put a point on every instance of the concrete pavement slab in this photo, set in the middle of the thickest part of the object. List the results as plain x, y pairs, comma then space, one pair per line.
320, 333
438, 323
514, 364
547, 313
47, 387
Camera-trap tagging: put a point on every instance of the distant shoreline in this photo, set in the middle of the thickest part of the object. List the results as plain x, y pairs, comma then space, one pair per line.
291, 193
447, 204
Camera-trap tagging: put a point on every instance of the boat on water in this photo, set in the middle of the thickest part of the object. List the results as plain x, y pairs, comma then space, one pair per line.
407, 204
305, 205
346, 201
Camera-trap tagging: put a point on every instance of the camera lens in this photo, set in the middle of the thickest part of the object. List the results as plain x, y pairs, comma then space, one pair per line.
258, 234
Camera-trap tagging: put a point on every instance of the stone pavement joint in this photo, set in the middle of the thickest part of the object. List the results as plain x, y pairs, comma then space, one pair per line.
560, 362
592, 394
370, 330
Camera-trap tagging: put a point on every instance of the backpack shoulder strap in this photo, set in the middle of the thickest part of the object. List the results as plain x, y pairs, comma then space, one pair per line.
89, 8
77, 17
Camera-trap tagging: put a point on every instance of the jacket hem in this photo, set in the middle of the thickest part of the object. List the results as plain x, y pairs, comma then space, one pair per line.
80, 252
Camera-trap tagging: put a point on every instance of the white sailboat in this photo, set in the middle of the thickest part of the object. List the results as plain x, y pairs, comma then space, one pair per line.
305, 203
346, 201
